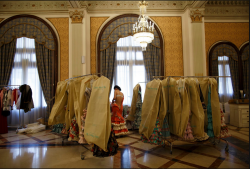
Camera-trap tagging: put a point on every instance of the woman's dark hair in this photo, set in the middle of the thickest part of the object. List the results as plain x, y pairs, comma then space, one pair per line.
117, 87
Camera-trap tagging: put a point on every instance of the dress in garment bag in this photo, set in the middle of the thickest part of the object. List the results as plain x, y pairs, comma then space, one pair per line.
211, 83
98, 120
131, 116
150, 108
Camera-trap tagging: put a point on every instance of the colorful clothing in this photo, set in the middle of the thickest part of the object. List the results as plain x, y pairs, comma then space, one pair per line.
210, 131
156, 137
119, 125
165, 129
81, 131
188, 132
112, 147
73, 130
57, 128
224, 130
137, 121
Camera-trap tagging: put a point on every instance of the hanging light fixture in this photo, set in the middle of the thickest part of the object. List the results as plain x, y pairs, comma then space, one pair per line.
143, 31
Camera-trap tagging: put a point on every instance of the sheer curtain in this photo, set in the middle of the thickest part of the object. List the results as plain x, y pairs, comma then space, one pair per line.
129, 68
225, 83
25, 72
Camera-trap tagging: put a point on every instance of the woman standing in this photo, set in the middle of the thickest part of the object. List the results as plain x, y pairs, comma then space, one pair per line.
119, 125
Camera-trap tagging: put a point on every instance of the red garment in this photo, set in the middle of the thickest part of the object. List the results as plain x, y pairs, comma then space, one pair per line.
117, 120
3, 120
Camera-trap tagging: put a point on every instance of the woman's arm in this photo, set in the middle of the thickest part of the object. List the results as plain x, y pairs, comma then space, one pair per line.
114, 96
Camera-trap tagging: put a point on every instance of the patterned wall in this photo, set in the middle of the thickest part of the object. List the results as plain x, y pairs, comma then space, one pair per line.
62, 27
95, 24
237, 33
171, 29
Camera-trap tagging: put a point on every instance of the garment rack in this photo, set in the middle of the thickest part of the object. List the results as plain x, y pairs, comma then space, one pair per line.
63, 136
213, 140
18, 127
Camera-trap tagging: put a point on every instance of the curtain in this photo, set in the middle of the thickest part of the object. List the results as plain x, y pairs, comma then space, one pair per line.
152, 61
129, 68
108, 60
44, 58
245, 65
7, 52
25, 72
234, 70
225, 83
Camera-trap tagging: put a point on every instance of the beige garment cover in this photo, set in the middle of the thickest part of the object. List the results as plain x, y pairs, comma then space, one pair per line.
57, 114
80, 102
178, 106
197, 117
98, 119
150, 107
215, 105
131, 116
164, 100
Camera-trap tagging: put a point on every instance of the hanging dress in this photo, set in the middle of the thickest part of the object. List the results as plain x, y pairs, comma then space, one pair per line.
156, 137
117, 120
137, 121
209, 115
224, 129
3, 119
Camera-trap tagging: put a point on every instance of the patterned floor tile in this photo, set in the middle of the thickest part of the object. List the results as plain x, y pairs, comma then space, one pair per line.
47, 137
10, 133
137, 152
166, 152
198, 159
17, 137
135, 135
29, 141
126, 140
151, 161
208, 150
144, 146
227, 164
245, 129
179, 165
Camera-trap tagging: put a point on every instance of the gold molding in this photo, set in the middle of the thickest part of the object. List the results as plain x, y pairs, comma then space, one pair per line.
196, 14
1, 19
76, 16
62, 27
171, 28
95, 24
237, 33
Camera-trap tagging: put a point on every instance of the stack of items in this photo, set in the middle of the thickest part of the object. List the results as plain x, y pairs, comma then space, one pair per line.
32, 128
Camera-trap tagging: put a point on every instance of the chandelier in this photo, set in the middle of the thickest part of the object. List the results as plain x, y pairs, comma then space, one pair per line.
143, 31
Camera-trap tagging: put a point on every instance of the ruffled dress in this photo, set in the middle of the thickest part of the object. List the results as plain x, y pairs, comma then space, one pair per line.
165, 129
188, 135
210, 131
224, 129
117, 120
73, 130
112, 147
137, 121
57, 128
156, 137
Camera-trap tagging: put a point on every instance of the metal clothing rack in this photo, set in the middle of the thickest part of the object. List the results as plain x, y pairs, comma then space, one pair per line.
18, 127
63, 136
213, 139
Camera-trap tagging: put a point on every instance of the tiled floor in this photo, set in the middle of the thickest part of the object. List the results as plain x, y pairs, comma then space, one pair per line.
45, 150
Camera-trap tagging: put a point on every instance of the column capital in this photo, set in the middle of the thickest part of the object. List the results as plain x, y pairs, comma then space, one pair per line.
196, 14
76, 16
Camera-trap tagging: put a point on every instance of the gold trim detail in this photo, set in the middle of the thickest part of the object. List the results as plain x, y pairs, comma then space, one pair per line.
76, 16
197, 14
171, 28
1, 19
25, 24
237, 33
95, 24
62, 27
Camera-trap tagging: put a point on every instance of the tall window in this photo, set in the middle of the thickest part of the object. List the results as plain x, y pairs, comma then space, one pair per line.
225, 83
25, 72
129, 68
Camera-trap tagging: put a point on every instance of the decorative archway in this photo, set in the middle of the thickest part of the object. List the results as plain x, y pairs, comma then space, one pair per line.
46, 43
119, 27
